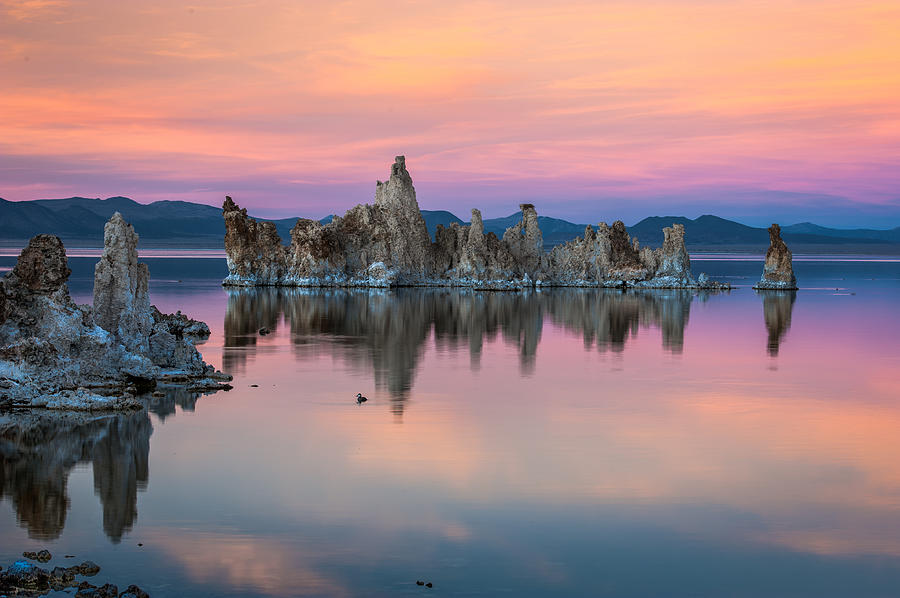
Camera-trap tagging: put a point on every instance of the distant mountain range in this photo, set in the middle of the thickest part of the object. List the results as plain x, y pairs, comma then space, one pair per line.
705, 231
79, 222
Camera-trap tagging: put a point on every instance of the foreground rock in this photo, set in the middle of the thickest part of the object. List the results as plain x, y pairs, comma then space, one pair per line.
778, 271
58, 355
25, 579
387, 244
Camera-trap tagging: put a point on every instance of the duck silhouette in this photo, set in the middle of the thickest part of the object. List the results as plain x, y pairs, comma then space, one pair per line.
360, 399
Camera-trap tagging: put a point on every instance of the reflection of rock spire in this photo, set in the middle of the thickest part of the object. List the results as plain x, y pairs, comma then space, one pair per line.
37, 452
245, 315
609, 318
121, 467
39, 494
777, 309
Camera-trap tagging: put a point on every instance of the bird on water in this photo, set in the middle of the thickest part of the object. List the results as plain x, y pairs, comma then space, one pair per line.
360, 399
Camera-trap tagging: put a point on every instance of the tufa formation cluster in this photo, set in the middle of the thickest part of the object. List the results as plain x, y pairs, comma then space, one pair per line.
59, 355
387, 244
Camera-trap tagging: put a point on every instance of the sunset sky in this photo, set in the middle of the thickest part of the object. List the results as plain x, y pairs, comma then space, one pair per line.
758, 111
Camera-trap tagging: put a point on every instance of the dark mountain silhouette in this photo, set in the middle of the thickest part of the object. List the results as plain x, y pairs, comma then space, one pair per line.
808, 228
554, 230
711, 230
79, 222
435, 217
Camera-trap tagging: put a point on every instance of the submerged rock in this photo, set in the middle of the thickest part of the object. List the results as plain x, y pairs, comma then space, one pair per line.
58, 355
387, 244
89, 568
778, 271
41, 556
133, 591
62, 576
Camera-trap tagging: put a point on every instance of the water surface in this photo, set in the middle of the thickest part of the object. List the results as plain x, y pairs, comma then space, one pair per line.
564, 442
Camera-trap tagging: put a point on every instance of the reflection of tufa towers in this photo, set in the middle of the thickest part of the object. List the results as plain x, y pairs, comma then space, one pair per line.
121, 468
387, 330
777, 309
38, 452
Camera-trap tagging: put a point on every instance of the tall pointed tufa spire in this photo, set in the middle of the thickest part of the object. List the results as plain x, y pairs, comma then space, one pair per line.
778, 271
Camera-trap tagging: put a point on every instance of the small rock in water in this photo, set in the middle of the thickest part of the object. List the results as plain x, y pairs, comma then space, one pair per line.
62, 576
86, 590
89, 568
41, 556
133, 591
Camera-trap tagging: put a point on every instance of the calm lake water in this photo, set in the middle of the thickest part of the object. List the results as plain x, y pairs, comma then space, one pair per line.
559, 443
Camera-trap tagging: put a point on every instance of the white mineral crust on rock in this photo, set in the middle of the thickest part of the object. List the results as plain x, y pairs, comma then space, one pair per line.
59, 355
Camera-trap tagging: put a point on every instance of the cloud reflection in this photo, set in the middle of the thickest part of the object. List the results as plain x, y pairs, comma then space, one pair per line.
263, 565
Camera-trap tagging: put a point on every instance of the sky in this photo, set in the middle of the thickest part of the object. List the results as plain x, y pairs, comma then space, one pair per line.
758, 111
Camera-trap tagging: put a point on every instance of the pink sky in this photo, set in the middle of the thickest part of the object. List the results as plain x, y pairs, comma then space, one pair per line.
746, 109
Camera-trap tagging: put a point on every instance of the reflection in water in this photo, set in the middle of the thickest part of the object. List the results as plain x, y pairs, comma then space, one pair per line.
121, 467
164, 406
609, 318
777, 309
388, 330
38, 450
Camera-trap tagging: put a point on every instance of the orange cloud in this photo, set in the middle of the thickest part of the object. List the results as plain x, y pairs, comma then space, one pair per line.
628, 98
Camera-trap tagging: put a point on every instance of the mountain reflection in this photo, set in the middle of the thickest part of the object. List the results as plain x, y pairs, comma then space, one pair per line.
38, 450
777, 309
387, 330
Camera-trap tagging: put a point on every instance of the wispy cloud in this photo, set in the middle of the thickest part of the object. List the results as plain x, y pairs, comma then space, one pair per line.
639, 100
